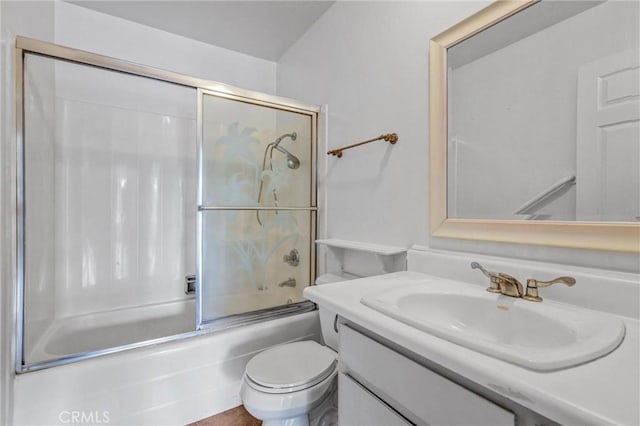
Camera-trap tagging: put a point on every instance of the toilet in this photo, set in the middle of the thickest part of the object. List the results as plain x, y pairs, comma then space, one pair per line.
295, 384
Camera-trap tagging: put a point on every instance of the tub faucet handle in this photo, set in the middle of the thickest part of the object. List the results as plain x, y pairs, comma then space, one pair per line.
293, 258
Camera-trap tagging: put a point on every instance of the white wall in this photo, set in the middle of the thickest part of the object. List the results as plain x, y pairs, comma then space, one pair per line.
368, 62
86, 29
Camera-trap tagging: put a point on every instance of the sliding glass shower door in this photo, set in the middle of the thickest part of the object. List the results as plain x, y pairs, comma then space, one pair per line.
130, 180
256, 208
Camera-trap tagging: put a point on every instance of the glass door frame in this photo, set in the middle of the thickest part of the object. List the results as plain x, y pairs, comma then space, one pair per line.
25, 46
311, 208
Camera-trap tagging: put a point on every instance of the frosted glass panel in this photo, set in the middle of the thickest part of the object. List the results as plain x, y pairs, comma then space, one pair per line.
110, 196
255, 155
243, 266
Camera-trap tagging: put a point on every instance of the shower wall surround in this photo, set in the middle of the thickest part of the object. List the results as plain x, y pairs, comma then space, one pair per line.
110, 183
121, 187
115, 155
380, 195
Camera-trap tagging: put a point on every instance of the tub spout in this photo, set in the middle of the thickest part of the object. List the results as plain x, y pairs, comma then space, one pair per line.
291, 282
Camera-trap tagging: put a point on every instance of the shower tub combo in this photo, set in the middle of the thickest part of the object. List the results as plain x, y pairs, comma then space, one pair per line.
154, 209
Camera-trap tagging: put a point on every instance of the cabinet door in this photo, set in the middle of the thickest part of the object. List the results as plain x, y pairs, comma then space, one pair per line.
421, 395
357, 406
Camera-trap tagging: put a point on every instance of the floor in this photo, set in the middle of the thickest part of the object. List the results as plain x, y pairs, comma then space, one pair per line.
234, 417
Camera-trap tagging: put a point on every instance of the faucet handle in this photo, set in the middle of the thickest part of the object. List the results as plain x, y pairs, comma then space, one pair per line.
494, 279
533, 285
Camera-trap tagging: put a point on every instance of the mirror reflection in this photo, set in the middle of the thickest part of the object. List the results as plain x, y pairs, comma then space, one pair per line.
544, 113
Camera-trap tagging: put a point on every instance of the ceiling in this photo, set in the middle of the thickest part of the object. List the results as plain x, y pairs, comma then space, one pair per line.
265, 29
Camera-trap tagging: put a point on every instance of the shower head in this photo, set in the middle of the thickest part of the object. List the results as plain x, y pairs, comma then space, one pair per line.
292, 160
292, 163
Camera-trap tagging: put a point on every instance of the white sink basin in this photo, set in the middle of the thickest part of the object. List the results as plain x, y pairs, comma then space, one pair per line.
540, 336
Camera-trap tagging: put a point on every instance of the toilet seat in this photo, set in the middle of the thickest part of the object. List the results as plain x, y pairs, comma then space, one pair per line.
290, 368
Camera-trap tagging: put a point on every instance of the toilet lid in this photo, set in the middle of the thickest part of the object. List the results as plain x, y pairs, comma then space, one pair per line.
292, 365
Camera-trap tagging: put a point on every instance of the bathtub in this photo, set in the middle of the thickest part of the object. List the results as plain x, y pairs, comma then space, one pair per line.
174, 382
103, 330
110, 331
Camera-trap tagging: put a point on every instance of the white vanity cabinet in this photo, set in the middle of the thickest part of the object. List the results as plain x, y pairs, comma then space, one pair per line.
359, 406
381, 386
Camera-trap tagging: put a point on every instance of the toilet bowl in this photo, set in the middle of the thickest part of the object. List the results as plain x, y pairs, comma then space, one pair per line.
284, 384
295, 384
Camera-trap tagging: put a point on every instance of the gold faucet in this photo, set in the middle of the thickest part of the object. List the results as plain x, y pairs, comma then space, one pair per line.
509, 286
501, 283
533, 285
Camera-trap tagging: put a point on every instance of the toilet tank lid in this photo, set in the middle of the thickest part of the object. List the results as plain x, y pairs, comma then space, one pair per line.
291, 365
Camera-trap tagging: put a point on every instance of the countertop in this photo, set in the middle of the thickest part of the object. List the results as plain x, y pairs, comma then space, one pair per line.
602, 391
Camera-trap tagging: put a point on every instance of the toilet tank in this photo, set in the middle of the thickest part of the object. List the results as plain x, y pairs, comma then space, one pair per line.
327, 317
329, 334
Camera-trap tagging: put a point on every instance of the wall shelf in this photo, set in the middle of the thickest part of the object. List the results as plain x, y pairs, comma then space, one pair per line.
368, 247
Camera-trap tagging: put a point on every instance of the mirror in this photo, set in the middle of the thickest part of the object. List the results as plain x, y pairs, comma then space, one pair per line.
535, 125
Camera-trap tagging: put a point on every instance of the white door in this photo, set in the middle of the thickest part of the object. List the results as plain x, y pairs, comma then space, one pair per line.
608, 139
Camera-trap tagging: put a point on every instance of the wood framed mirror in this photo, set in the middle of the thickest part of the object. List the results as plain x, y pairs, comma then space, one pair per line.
534, 125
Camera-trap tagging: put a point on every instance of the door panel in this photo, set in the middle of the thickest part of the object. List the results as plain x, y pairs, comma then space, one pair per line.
608, 144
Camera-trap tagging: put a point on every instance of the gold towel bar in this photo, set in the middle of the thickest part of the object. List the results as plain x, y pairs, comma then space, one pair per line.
392, 138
